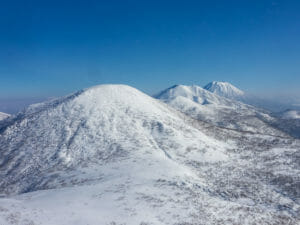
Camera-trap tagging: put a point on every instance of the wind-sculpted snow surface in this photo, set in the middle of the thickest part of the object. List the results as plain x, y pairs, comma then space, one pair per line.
113, 155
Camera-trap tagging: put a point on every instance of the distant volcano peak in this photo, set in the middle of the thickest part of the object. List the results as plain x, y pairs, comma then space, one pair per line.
224, 89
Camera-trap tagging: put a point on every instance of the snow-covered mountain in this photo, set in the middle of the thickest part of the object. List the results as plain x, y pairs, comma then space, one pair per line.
285, 121
196, 94
275, 104
224, 89
209, 107
3, 115
98, 125
111, 154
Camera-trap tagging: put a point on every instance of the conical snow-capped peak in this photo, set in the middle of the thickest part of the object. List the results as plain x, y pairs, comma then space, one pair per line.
224, 89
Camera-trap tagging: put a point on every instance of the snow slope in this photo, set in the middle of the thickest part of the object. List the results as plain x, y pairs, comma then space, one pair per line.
98, 125
3, 116
113, 155
288, 121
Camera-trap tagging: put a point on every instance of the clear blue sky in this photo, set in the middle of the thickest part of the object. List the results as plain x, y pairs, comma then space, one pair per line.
52, 48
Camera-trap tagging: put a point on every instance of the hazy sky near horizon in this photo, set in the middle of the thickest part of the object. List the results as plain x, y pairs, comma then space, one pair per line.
52, 48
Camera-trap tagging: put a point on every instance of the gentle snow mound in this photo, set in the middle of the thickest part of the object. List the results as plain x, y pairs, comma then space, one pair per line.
98, 125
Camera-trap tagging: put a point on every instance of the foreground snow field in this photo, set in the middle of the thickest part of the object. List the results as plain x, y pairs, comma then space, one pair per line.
113, 155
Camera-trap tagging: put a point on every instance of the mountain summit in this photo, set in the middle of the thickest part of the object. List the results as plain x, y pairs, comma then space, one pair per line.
95, 126
224, 89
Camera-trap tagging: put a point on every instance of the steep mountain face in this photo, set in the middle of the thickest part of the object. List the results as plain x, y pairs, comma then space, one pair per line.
113, 155
3, 116
206, 106
224, 89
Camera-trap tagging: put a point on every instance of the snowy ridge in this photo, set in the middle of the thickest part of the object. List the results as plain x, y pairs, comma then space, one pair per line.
224, 89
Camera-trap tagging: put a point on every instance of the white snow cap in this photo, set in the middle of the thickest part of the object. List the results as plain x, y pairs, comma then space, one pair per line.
224, 89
